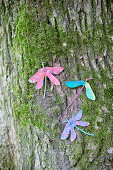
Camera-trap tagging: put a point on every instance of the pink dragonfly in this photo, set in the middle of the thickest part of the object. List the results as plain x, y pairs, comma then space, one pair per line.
46, 71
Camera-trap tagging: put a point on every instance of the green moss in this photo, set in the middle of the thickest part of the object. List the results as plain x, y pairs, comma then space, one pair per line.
38, 41
98, 114
8, 162
35, 43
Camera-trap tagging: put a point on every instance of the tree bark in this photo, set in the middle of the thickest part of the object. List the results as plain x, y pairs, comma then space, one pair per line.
76, 35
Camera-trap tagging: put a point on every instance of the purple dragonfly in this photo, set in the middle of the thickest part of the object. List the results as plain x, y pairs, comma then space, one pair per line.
73, 122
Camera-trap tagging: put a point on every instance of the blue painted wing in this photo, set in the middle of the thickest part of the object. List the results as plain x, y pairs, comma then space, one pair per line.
81, 123
89, 92
65, 132
78, 116
73, 84
73, 134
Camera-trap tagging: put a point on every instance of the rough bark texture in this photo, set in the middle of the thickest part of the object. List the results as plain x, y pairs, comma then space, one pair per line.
77, 35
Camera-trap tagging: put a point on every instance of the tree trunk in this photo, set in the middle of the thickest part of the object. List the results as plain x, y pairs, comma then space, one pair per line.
76, 35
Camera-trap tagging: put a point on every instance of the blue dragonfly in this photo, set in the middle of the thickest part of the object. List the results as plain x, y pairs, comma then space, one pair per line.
89, 92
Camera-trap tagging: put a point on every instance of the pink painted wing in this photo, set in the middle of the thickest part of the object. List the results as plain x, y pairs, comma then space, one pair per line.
73, 134
36, 77
46, 71
54, 70
52, 78
40, 82
81, 123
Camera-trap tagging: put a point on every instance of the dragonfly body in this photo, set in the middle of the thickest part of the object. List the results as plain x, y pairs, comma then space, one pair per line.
74, 122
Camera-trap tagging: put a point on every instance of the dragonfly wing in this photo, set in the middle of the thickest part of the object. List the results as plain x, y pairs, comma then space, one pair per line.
40, 82
89, 92
73, 84
52, 78
65, 132
78, 116
73, 134
81, 123
55, 70
35, 77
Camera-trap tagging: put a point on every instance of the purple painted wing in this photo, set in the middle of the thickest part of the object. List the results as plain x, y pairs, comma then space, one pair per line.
40, 82
78, 116
81, 123
73, 134
52, 78
55, 70
65, 132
